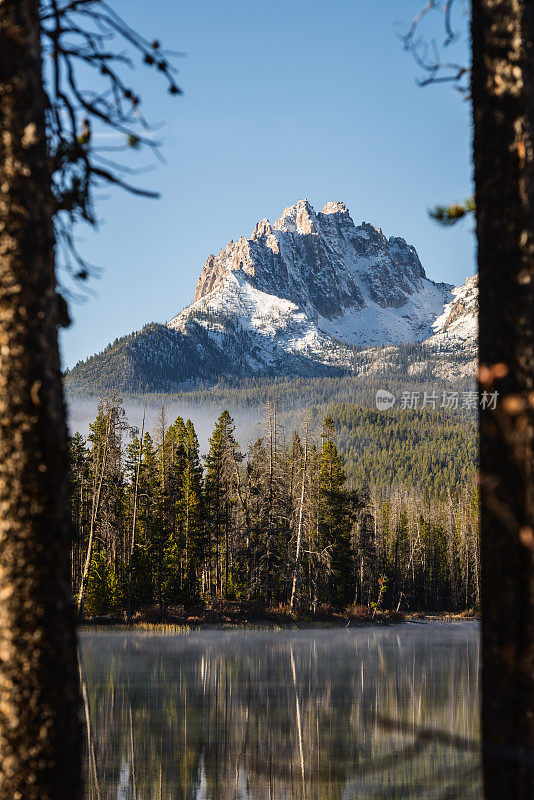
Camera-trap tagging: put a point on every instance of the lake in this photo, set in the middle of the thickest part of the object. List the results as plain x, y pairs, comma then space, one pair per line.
310, 714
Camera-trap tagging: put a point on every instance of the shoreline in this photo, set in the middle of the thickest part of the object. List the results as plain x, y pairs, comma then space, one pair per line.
237, 617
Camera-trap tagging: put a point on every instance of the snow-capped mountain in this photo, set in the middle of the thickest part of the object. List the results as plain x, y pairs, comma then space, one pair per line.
298, 297
458, 324
350, 282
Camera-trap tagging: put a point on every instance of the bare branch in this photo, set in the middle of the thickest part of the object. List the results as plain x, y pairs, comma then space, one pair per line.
426, 54
90, 35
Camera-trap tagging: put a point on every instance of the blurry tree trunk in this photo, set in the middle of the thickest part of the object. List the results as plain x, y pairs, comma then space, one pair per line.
39, 726
503, 107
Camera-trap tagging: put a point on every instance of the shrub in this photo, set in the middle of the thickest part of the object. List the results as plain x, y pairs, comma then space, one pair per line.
325, 611
103, 595
357, 612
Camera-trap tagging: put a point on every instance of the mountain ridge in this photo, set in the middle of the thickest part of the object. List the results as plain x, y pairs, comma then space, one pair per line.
302, 296
330, 268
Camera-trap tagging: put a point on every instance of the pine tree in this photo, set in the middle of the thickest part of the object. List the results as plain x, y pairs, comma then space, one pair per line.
334, 522
222, 462
154, 535
256, 489
39, 726
105, 438
175, 454
191, 515
103, 592
364, 547
79, 501
352, 541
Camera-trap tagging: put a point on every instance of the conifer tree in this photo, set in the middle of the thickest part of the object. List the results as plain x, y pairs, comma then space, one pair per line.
355, 544
364, 548
222, 462
256, 488
79, 500
154, 539
105, 438
334, 522
103, 592
192, 513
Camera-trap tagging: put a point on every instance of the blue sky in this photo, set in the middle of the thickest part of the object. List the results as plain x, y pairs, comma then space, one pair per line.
282, 100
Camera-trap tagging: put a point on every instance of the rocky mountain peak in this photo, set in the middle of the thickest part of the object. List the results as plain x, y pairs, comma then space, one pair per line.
299, 218
458, 324
323, 263
334, 207
262, 228
295, 297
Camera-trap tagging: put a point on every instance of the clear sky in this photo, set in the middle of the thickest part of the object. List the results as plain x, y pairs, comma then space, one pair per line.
283, 99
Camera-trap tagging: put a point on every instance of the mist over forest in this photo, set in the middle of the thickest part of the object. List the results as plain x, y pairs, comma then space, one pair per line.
249, 424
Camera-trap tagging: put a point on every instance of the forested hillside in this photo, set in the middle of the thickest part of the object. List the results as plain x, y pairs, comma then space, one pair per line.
352, 506
159, 359
398, 369
433, 450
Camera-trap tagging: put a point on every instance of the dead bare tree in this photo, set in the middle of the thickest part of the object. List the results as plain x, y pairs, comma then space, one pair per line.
134, 520
98, 480
296, 568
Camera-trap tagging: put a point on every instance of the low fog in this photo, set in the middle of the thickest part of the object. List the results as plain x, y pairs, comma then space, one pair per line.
250, 425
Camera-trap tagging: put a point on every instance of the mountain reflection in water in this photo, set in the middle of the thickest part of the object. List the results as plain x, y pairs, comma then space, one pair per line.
316, 714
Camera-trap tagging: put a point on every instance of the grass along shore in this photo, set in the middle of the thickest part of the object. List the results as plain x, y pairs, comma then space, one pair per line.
230, 613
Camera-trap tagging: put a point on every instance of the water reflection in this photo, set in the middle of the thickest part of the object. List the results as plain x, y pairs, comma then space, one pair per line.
267, 715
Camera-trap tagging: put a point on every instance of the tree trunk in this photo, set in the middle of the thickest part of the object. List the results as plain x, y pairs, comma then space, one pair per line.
503, 107
134, 522
39, 726
296, 570
97, 492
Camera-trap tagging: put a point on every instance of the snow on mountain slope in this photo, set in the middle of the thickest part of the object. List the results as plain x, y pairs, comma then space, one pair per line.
374, 325
312, 277
458, 324
278, 324
298, 297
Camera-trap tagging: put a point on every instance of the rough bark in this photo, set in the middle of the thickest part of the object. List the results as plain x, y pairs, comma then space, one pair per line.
39, 695
503, 107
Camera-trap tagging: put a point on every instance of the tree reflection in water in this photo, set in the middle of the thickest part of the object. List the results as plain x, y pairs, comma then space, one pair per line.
277, 715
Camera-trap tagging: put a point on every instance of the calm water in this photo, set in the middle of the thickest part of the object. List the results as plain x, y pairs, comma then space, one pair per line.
277, 715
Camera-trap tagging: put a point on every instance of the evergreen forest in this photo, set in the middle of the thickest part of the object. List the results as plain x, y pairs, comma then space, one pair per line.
351, 509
